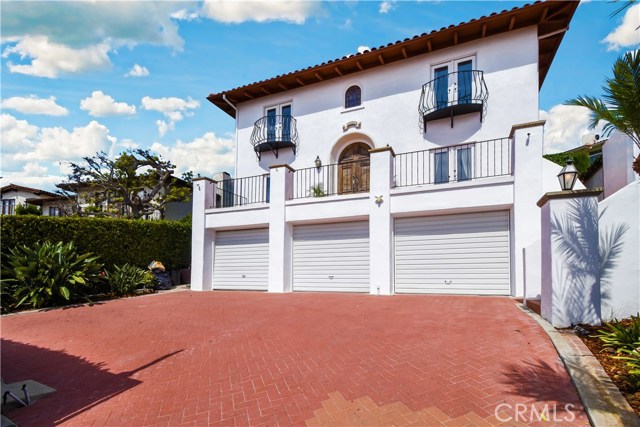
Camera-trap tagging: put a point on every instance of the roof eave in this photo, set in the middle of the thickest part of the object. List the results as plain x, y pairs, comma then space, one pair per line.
551, 18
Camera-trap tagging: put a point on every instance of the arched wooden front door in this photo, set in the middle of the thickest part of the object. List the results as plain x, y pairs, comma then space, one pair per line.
353, 169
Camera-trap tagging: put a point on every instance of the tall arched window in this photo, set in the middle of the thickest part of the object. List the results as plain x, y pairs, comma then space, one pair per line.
352, 97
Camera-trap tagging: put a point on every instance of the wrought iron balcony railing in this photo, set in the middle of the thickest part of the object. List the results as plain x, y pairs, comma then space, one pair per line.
242, 191
456, 163
453, 94
329, 180
275, 132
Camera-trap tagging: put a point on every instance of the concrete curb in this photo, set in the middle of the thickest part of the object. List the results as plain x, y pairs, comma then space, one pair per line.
603, 402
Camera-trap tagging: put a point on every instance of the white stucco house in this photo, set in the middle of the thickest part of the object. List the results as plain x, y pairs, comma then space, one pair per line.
18, 195
414, 167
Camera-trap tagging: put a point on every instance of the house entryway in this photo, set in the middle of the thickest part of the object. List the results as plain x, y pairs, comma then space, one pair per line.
331, 257
353, 169
241, 260
453, 254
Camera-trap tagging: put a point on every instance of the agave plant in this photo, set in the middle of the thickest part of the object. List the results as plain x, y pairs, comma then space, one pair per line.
622, 338
49, 274
619, 106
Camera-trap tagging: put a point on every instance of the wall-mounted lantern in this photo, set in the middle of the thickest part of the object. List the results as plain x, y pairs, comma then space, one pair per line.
568, 176
318, 162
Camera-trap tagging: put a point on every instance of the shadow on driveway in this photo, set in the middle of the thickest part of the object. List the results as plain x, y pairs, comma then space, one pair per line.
80, 384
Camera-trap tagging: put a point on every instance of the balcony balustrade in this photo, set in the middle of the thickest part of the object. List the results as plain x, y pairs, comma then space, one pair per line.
453, 94
273, 133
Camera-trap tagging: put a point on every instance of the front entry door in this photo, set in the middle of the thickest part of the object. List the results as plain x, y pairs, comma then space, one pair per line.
353, 169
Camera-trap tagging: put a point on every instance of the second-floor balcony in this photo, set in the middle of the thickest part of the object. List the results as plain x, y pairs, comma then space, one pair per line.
453, 94
272, 133
430, 169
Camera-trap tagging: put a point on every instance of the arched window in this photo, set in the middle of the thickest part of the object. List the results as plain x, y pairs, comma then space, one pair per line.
352, 97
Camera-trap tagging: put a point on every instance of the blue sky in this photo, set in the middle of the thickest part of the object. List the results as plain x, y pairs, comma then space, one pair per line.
79, 77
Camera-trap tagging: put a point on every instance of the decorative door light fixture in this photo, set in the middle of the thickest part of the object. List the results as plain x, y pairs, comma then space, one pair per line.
318, 162
568, 176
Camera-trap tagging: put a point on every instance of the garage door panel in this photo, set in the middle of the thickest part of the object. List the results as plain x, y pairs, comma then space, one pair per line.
466, 253
241, 260
331, 257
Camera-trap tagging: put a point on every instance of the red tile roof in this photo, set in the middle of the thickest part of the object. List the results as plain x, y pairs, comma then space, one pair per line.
551, 17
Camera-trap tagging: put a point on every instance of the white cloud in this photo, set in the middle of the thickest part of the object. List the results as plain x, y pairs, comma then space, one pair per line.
362, 49
99, 105
172, 108
205, 155
32, 104
78, 24
32, 174
29, 152
16, 134
386, 6
59, 144
41, 43
47, 59
235, 12
137, 71
169, 104
565, 127
184, 15
627, 33
164, 127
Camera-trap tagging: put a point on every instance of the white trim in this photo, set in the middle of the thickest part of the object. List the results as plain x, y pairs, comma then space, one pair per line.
348, 110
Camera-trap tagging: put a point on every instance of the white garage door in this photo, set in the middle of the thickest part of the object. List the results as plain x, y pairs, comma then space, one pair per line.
331, 257
241, 260
453, 254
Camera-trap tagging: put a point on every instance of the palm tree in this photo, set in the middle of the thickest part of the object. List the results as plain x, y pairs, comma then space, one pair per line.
620, 105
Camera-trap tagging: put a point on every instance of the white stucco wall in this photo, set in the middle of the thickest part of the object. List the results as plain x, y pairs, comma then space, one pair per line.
20, 197
570, 261
391, 94
617, 159
620, 249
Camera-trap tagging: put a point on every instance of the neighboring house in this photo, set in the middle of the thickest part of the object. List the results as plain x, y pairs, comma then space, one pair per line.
90, 199
414, 167
610, 162
17, 195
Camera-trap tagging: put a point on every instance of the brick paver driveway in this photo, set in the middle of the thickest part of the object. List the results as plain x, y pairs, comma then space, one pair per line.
238, 358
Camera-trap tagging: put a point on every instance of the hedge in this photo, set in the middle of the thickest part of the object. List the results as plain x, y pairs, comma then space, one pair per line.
116, 241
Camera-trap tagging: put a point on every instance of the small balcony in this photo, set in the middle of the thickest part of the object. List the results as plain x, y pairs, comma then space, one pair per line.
273, 133
334, 179
242, 191
453, 94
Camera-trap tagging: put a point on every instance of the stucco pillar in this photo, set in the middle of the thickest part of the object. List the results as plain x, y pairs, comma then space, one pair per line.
202, 240
528, 141
281, 190
380, 223
570, 258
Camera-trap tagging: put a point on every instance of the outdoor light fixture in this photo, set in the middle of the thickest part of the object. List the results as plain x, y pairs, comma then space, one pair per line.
318, 162
568, 176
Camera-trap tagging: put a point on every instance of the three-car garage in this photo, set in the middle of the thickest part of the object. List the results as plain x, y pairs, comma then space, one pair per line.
448, 254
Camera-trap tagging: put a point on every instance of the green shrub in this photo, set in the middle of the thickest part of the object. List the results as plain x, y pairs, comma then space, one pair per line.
317, 191
632, 358
620, 336
50, 274
124, 280
28, 210
115, 241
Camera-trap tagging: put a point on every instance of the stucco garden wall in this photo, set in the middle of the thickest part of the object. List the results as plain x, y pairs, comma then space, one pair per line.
620, 249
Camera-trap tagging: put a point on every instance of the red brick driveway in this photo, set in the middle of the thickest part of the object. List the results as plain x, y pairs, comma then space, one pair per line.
237, 358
